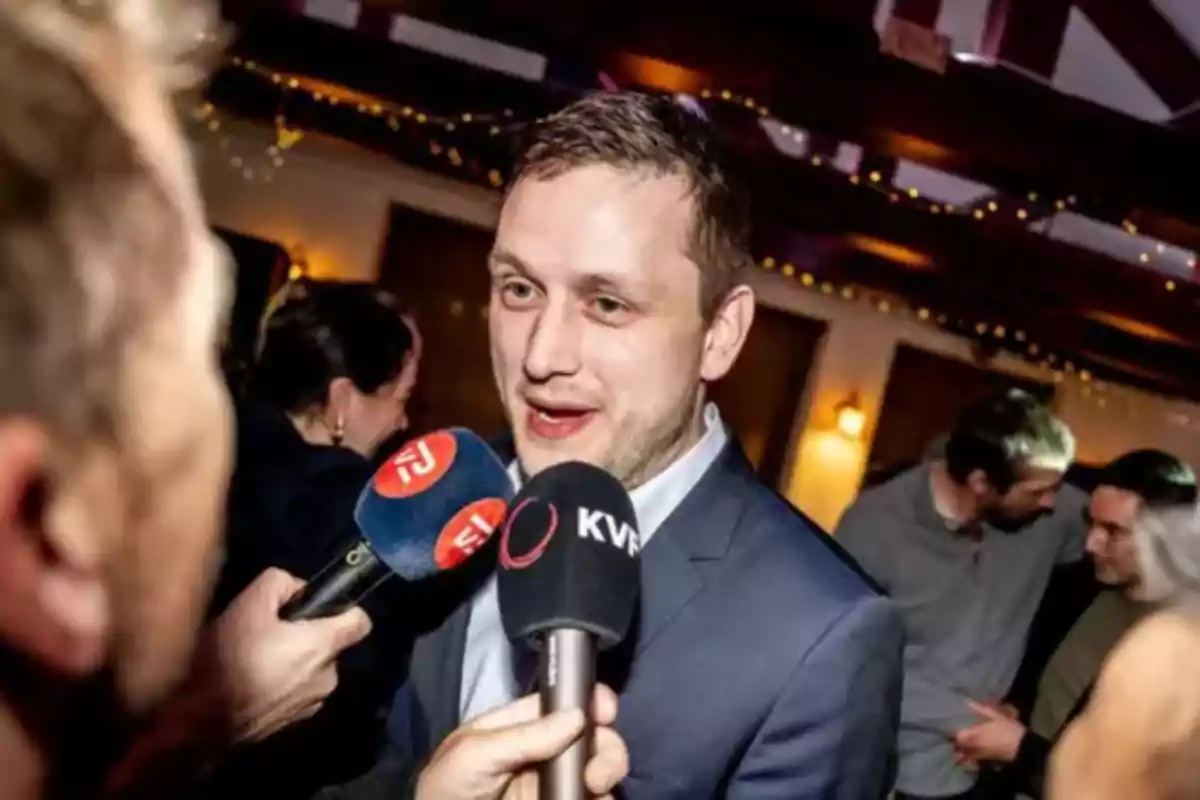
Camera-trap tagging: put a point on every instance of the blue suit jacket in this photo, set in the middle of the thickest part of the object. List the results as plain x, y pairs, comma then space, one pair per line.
763, 663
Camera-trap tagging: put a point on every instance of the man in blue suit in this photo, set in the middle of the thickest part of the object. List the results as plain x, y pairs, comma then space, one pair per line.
763, 664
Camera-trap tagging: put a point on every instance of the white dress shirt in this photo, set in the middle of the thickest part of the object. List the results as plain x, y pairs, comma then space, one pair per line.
487, 677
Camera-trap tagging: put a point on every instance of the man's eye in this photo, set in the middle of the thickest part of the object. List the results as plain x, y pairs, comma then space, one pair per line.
518, 291
607, 305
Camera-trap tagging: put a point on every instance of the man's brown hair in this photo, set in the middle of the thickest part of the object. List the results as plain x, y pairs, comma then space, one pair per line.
91, 240
659, 136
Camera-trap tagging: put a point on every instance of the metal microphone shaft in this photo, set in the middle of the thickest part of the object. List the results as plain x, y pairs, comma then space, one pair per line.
567, 679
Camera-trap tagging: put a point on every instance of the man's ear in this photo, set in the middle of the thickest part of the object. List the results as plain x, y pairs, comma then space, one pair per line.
727, 333
977, 482
52, 611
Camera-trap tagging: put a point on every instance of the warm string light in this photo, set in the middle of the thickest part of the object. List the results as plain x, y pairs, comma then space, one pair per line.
733, 98
874, 180
1148, 257
1055, 367
393, 114
259, 167
397, 116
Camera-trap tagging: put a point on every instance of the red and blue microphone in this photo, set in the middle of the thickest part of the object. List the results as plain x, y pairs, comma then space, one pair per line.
428, 508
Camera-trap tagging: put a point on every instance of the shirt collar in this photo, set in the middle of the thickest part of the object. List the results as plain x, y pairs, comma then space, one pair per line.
926, 507
658, 497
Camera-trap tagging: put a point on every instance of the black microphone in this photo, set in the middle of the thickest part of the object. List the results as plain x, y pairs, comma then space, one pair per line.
568, 586
431, 505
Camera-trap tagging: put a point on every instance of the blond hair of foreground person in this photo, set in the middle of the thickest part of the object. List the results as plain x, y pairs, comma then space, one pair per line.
114, 423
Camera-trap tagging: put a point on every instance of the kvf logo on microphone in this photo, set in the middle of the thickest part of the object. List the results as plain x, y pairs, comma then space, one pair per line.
604, 527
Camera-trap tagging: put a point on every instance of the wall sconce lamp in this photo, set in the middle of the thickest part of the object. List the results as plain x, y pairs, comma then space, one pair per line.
850, 418
298, 268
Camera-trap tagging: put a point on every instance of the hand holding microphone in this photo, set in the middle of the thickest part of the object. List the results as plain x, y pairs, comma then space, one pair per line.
496, 756
253, 675
276, 673
568, 586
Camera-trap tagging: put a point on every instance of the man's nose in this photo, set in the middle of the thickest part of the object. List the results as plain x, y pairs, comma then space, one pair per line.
553, 344
1094, 544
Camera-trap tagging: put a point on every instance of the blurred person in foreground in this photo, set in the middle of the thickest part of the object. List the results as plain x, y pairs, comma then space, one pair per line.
114, 435
335, 368
1141, 488
114, 426
965, 543
1139, 737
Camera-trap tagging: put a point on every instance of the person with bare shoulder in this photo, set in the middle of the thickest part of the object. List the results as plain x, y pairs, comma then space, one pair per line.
1139, 738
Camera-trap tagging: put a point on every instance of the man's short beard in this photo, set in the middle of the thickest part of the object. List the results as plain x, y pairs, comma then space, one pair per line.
637, 463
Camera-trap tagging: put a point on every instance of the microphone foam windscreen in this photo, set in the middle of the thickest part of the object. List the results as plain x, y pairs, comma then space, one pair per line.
433, 503
569, 556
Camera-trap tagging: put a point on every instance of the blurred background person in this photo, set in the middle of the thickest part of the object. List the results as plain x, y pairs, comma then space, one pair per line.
965, 542
114, 426
1132, 490
1139, 738
337, 364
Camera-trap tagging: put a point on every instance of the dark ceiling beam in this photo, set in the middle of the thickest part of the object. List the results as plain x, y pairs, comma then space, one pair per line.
1009, 267
987, 125
1149, 42
1028, 33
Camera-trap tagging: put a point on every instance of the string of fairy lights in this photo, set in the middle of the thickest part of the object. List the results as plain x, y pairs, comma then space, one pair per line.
254, 167
1050, 366
446, 134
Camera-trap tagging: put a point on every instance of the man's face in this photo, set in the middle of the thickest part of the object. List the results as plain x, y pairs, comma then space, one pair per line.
1111, 515
598, 345
1031, 496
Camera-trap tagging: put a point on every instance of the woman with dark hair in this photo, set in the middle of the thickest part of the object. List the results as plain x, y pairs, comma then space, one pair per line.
336, 366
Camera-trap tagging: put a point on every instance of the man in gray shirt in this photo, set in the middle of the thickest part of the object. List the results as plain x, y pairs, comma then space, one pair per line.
965, 544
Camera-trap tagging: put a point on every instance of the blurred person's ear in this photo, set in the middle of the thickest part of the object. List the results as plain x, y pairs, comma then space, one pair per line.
52, 609
978, 483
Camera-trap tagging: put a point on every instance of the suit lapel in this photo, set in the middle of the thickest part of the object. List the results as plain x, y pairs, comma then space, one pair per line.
436, 667
699, 530
451, 647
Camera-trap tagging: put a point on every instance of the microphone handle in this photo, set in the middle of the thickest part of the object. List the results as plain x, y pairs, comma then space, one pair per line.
566, 679
343, 583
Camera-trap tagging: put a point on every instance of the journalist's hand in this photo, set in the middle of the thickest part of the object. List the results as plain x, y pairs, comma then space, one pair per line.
275, 673
495, 756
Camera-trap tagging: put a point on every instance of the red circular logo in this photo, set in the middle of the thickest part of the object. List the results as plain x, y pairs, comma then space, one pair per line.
467, 531
417, 466
507, 559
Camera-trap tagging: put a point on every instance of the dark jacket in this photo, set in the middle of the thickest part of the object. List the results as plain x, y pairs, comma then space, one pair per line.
291, 505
